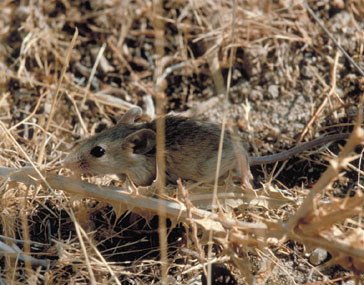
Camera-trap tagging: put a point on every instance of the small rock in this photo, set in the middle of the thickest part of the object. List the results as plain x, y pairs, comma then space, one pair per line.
318, 256
306, 72
273, 91
338, 4
256, 95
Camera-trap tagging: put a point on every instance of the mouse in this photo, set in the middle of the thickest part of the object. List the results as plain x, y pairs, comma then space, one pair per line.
191, 151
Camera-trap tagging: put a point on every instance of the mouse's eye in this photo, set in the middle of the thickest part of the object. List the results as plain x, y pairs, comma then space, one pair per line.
97, 151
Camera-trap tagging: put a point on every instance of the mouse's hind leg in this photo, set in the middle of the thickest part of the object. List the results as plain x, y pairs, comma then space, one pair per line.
242, 167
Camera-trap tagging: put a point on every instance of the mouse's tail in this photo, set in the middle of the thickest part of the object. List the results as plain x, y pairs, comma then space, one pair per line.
297, 149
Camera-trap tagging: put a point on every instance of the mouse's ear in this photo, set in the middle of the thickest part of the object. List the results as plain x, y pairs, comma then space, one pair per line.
130, 116
141, 141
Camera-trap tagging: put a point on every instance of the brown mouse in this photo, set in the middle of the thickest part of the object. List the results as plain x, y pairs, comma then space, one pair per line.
191, 148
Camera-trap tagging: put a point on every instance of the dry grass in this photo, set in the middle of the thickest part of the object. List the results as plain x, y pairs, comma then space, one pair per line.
289, 83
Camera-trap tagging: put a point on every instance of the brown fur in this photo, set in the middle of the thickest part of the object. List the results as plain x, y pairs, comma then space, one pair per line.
191, 148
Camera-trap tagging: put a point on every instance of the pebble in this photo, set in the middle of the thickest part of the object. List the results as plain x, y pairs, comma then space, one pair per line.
318, 256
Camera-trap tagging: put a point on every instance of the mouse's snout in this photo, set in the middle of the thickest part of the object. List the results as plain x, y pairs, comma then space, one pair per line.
72, 162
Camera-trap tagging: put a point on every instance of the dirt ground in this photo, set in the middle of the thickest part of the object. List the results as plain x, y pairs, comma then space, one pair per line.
289, 84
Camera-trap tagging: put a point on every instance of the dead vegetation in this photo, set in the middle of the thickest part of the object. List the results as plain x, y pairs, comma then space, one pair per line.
289, 84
